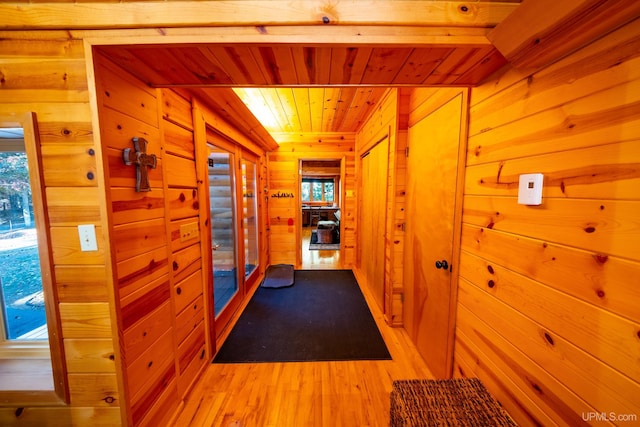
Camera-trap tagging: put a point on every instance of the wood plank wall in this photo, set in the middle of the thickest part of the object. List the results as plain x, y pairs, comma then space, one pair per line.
563, 275
104, 309
187, 263
162, 287
283, 170
386, 120
139, 243
548, 314
45, 73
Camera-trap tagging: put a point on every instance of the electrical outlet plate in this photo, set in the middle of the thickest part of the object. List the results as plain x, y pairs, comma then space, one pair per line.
189, 231
87, 234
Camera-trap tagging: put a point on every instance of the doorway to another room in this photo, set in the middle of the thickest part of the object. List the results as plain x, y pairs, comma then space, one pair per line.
320, 190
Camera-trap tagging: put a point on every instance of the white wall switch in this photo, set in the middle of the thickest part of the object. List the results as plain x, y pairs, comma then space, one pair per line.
530, 189
87, 234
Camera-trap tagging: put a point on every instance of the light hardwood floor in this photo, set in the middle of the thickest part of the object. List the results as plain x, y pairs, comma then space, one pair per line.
306, 394
317, 260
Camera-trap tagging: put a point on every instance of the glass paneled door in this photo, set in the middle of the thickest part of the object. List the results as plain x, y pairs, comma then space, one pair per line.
250, 216
221, 173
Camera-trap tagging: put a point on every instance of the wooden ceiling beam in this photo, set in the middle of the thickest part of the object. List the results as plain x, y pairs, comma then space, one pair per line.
303, 36
540, 32
142, 14
320, 137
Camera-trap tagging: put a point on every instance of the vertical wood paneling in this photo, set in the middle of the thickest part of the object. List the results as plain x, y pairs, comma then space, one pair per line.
548, 313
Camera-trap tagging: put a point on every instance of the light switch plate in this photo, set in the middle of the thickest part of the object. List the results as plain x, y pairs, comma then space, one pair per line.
530, 189
87, 234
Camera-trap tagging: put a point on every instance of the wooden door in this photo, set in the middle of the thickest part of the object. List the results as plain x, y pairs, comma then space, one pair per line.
432, 175
373, 218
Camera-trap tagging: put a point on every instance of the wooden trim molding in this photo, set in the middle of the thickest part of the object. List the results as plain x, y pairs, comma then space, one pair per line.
54, 364
542, 31
94, 15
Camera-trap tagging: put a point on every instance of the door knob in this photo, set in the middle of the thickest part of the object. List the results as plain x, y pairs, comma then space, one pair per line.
442, 264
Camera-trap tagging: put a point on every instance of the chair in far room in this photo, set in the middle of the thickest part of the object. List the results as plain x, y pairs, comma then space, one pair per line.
328, 231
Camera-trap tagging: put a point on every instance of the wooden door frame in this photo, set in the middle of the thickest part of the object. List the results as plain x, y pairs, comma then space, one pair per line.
224, 318
204, 122
22, 353
246, 154
457, 226
298, 216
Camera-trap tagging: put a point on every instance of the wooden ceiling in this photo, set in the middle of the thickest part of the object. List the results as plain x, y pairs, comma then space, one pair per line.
315, 110
318, 65
305, 89
327, 78
208, 65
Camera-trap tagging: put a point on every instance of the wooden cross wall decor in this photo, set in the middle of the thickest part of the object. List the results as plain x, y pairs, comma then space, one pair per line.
142, 160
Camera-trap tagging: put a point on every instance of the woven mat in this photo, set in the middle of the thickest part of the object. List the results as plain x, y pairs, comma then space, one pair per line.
454, 402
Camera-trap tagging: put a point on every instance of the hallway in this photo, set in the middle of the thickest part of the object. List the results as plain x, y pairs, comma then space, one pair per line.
349, 393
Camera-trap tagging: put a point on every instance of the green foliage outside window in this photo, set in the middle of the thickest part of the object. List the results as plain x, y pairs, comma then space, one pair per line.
21, 296
318, 190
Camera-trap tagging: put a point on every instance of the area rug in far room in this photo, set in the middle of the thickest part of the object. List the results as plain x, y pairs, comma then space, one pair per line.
314, 245
322, 317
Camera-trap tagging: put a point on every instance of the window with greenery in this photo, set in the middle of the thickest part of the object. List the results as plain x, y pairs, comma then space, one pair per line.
21, 296
318, 190
26, 277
